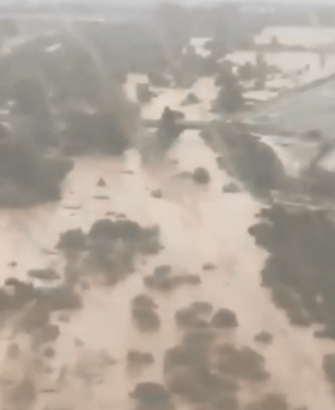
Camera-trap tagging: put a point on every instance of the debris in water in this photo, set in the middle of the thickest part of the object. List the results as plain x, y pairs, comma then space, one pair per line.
157, 193
101, 197
72, 207
47, 274
12, 264
264, 337
209, 266
166, 283
101, 183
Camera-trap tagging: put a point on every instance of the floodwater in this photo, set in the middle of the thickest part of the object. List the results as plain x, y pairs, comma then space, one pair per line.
198, 225
298, 113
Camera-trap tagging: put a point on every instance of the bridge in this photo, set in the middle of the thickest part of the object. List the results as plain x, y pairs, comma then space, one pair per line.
184, 124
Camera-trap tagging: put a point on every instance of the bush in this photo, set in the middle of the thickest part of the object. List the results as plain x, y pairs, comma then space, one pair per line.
264, 337
24, 393
189, 317
73, 240
143, 93
139, 359
224, 318
22, 294
144, 302
226, 77
49, 352
209, 266
190, 99
146, 320
230, 99
201, 176
245, 364
157, 193
104, 132
231, 188
328, 366
246, 71
151, 396
142, 240
202, 308
250, 160
62, 298
196, 386
101, 183
49, 333
309, 237
36, 317
110, 247
26, 177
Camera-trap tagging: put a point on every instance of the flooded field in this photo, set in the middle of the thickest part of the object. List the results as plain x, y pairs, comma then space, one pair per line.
162, 269
198, 225
299, 113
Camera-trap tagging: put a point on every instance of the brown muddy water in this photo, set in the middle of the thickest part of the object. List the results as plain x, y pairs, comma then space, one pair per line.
199, 225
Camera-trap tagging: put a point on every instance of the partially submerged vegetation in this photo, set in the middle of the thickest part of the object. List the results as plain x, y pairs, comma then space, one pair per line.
111, 247
164, 280
27, 177
79, 109
298, 269
246, 158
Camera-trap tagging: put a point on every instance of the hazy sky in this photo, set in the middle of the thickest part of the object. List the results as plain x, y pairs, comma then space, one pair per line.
158, 1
